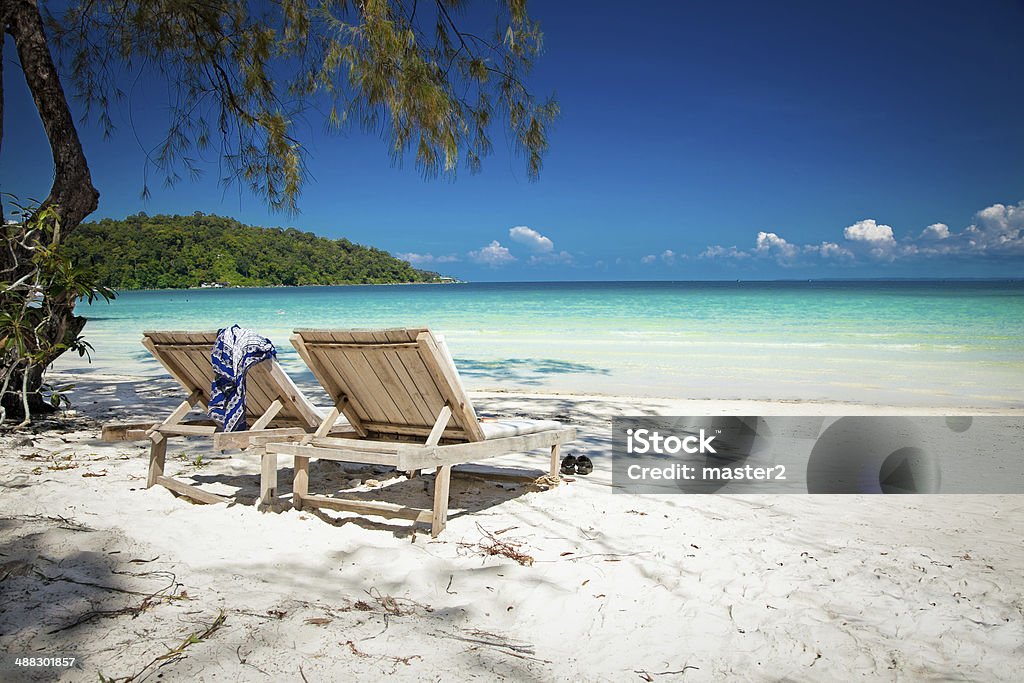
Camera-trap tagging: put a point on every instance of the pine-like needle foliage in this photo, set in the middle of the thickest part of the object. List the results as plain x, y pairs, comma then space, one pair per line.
242, 76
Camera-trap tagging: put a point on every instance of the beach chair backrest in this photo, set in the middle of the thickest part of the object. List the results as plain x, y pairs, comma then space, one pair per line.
186, 357
390, 382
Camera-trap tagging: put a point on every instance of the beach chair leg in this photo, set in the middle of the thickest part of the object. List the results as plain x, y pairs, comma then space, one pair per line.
554, 460
268, 480
300, 484
157, 455
441, 485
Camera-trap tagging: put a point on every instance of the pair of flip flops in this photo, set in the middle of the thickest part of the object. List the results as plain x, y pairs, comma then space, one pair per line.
577, 464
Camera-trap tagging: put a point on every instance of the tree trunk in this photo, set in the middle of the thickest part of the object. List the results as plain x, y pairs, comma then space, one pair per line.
72, 191
3, 36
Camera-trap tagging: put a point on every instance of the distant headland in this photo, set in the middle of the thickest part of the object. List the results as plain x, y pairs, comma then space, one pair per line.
205, 250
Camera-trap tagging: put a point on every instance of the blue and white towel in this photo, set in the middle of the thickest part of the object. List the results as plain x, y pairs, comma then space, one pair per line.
236, 350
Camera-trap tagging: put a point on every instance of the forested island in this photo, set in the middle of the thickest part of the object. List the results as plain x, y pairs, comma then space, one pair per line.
171, 252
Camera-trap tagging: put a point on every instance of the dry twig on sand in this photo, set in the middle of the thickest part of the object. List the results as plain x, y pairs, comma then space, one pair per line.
392, 606
477, 637
396, 660
492, 545
59, 521
166, 594
649, 675
171, 655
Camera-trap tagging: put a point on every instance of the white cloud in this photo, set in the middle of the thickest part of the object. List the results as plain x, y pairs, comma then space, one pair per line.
551, 259
869, 231
997, 231
531, 238
718, 251
493, 255
1002, 219
769, 243
668, 257
829, 250
874, 238
936, 231
426, 259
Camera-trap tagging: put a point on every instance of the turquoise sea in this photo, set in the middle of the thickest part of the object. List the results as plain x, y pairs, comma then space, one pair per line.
901, 343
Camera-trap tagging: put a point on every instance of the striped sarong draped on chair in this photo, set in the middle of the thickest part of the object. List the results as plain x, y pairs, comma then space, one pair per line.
236, 350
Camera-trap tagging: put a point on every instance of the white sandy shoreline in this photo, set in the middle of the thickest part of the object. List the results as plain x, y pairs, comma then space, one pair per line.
622, 587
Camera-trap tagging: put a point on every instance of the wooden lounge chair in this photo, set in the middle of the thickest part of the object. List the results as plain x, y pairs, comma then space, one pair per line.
274, 407
406, 408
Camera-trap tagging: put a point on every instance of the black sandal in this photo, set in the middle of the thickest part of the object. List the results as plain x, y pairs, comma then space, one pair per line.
584, 465
569, 464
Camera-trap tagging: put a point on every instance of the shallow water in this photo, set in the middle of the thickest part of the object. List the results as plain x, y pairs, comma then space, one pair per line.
900, 343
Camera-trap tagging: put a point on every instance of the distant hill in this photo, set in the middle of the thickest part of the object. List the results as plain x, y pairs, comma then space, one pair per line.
161, 252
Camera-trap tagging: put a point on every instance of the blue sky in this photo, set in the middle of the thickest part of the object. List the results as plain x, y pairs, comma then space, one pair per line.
697, 140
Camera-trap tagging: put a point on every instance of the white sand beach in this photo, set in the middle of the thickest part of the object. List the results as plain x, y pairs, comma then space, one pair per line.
606, 587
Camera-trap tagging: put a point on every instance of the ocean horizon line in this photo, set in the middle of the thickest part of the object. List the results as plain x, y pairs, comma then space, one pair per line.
876, 280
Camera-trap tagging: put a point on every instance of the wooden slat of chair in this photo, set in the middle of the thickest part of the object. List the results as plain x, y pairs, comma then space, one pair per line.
405, 391
405, 409
328, 377
397, 335
444, 377
358, 336
338, 454
421, 404
358, 358
366, 507
193, 492
157, 337
361, 378
387, 430
196, 375
260, 392
346, 380
446, 360
372, 390
296, 405
271, 412
174, 339
425, 409
173, 368
425, 386
460, 453
403, 334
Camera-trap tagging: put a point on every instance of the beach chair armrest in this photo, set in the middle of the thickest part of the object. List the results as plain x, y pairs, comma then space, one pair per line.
136, 431
223, 441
